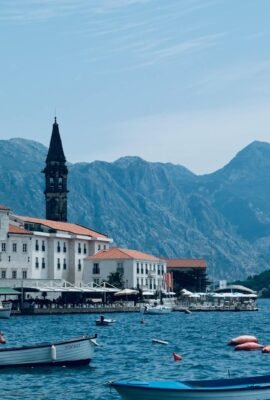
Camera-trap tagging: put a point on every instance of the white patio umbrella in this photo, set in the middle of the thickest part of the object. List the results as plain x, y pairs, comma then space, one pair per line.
126, 292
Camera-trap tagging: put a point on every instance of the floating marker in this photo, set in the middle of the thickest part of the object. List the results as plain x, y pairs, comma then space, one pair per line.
177, 357
160, 341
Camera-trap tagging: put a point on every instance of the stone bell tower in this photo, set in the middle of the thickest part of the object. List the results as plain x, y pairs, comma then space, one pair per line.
56, 179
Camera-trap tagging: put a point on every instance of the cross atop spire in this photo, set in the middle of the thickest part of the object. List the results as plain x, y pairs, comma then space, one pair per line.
56, 152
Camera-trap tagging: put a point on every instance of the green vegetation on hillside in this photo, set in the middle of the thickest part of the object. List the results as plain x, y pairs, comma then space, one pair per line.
260, 283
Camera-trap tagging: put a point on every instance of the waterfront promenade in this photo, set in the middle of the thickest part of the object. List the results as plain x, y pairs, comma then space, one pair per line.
76, 310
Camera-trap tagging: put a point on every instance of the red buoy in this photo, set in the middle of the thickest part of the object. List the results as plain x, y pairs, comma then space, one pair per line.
177, 357
266, 349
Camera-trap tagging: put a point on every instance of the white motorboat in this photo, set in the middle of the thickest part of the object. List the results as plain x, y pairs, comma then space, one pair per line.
5, 310
75, 351
157, 309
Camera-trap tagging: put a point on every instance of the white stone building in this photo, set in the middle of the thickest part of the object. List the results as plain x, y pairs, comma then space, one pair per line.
40, 249
140, 270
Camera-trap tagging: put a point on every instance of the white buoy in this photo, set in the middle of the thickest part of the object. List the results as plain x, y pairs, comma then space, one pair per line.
160, 341
53, 352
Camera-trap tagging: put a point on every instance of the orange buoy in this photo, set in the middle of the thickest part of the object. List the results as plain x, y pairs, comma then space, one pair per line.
266, 349
243, 339
177, 357
248, 346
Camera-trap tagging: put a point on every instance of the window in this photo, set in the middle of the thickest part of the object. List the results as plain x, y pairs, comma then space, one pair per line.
96, 280
24, 248
43, 245
58, 263
37, 262
60, 182
51, 181
24, 274
9, 258
14, 247
3, 246
3, 274
14, 274
96, 269
158, 271
146, 269
64, 247
120, 267
43, 263
141, 268
79, 248
84, 249
64, 264
58, 247
138, 268
104, 247
37, 246
79, 265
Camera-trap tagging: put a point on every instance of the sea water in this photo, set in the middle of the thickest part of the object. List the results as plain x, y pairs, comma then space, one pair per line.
126, 351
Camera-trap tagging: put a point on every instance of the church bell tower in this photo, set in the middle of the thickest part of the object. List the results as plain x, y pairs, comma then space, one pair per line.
56, 179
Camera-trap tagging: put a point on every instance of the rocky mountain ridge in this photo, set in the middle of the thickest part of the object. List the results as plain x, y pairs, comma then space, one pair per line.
159, 208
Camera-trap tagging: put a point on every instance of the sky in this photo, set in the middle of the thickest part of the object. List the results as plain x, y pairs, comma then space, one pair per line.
179, 81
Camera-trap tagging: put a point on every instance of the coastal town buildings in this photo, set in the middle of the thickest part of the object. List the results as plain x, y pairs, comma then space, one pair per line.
52, 249
138, 269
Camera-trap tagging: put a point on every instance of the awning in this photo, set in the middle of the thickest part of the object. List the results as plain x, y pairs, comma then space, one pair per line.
8, 291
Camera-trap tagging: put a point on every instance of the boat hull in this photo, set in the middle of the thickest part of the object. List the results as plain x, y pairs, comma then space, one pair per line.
245, 389
77, 351
5, 312
157, 310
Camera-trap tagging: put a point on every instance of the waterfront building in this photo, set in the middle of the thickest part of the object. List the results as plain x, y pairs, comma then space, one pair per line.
41, 249
188, 273
138, 269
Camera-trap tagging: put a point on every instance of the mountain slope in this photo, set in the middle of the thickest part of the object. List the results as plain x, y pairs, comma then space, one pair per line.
159, 208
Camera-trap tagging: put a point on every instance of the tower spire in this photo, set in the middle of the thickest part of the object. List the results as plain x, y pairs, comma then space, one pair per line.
56, 178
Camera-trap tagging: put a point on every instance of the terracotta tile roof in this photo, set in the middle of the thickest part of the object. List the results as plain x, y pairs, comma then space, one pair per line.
186, 263
4, 208
13, 229
118, 253
64, 226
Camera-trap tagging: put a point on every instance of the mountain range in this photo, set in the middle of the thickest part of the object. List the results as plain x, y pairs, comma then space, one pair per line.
160, 208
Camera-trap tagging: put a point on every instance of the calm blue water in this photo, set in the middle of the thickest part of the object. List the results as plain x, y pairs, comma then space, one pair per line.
127, 351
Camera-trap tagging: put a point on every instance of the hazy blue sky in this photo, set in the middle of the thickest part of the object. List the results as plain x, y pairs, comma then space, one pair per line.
181, 81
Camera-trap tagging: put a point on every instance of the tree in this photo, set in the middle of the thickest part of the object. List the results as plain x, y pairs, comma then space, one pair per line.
194, 280
116, 279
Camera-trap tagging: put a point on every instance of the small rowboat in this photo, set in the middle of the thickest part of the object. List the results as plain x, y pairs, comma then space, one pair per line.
76, 351
252, 388
105, 321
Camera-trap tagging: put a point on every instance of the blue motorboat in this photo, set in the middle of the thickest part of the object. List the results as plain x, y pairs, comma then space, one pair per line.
249, 388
